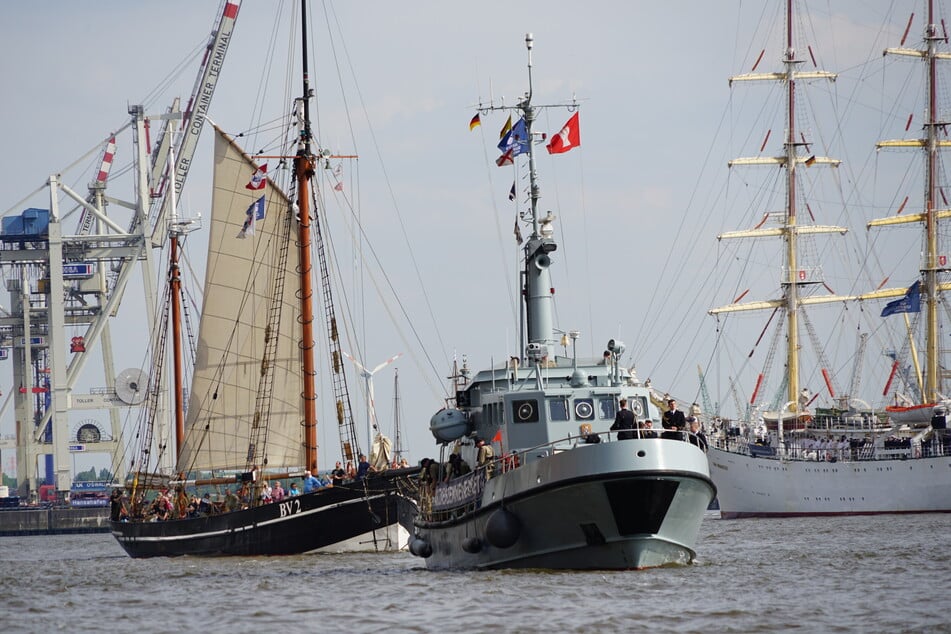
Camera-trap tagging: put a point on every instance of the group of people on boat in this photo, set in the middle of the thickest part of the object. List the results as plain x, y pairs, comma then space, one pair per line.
432, 471
675, 425
168, 504
834, 449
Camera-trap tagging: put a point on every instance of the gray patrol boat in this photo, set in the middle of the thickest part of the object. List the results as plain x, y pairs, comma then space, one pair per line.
547, 495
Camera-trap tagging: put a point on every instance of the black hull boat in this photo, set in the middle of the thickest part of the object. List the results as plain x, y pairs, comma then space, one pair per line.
364, 513
244, 429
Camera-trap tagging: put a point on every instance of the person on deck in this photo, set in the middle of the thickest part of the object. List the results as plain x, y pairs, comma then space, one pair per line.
485, 457
232, 503
277, 492
623, 421
457, 467
338, 475
205, 506
697, 431
673, 421
363, 467
588, 436
115, 503
293, 490
266, 493
310, 482
426, 479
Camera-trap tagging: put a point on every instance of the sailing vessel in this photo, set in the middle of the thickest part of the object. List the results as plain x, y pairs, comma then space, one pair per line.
557, 489
843, 460
251, 416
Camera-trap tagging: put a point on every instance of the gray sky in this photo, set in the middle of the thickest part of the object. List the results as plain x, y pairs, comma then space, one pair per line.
639, 204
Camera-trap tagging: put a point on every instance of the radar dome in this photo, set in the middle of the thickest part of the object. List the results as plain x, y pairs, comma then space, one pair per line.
447, 425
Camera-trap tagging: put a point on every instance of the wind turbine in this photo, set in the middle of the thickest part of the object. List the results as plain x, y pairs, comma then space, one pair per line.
368, 377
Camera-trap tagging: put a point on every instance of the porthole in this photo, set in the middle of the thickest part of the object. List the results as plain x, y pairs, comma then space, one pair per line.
525, 411
584, 409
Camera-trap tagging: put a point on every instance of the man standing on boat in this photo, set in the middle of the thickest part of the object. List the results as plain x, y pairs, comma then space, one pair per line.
363, 467
623, 421
673, 420
310, 482
485, 456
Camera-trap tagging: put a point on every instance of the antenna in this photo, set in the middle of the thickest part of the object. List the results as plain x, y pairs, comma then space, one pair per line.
397, 428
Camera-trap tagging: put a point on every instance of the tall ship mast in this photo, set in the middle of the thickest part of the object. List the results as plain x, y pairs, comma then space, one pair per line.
800, 280
925, 295
848, 460
251, 421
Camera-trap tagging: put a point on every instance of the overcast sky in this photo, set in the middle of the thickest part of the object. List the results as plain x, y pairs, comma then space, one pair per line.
639, 204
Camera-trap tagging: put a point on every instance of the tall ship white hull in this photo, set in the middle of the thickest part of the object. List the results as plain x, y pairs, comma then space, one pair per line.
848, 460
750, 486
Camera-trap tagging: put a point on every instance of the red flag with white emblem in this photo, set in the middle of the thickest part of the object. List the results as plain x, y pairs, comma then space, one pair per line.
568, 138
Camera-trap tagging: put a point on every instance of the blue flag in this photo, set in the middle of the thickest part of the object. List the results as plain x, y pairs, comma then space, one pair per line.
515, 139
254, 213
910, 303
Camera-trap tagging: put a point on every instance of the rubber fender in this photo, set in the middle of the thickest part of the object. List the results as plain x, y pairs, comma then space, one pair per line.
503, 529
420, 547
472, 545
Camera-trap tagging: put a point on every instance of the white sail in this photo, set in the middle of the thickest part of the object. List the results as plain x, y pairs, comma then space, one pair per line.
240, 279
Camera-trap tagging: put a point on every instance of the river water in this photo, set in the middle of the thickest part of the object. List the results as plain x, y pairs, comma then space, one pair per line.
843, 574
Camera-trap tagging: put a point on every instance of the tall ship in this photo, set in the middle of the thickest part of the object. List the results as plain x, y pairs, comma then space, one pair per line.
530, 473
795, 460
250, 425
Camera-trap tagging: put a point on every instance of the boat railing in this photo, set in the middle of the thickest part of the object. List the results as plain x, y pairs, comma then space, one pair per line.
434, 508
837, 451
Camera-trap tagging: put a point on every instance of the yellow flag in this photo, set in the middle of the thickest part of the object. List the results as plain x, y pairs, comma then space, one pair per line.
506, 128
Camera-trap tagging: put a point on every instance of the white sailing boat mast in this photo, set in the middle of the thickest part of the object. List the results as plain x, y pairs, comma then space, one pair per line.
933, 262
797, 152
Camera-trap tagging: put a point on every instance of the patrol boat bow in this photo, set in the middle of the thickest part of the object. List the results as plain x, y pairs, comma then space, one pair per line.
550, 499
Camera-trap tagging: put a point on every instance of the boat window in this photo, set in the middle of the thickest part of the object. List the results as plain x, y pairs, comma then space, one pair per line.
558, 408
489, 412
584, 408
608, 408
525, 411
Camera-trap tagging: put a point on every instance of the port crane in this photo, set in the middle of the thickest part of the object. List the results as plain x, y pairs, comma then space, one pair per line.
59, 281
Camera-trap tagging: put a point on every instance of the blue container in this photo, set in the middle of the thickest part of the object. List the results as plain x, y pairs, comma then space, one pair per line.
36, 222
12, 226
29, 225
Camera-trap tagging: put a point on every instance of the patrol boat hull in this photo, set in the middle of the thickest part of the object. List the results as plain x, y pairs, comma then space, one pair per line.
625, 504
